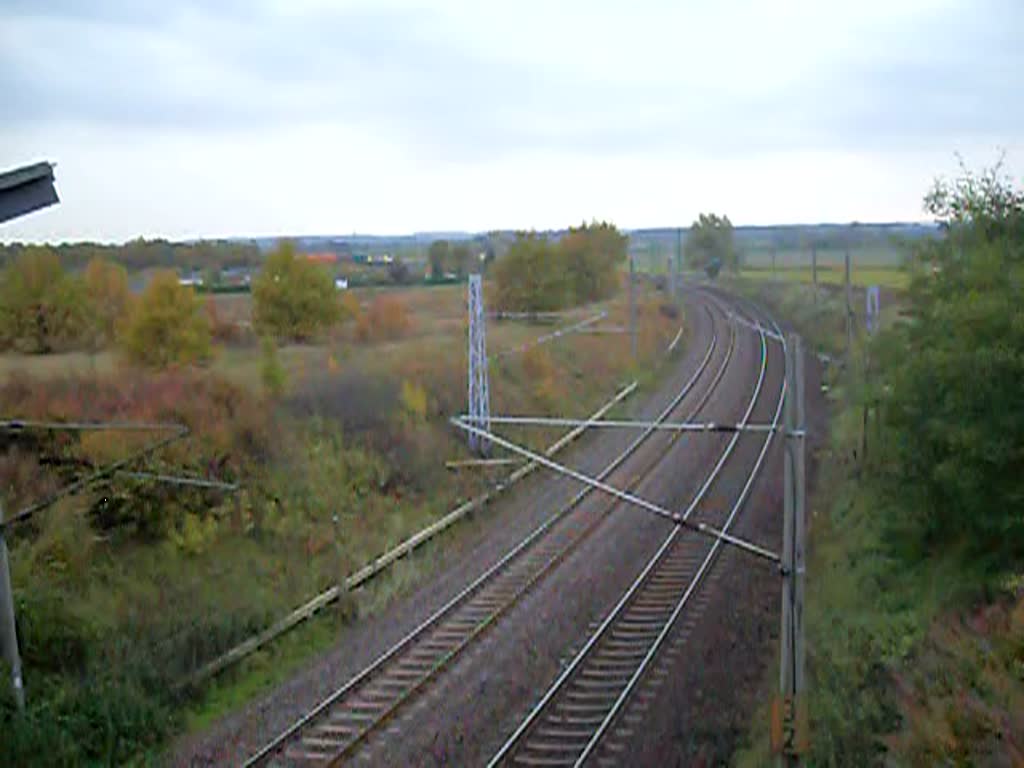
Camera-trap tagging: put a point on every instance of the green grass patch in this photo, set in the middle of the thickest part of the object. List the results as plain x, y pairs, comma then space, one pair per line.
862, 276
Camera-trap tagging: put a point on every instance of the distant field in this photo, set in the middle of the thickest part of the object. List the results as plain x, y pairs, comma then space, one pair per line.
887, 256
883, 257
834, 275
437, 331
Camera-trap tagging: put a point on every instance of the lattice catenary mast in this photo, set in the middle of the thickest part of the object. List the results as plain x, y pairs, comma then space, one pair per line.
479, 390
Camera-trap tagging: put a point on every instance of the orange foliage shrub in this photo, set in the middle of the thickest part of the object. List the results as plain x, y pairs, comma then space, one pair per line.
222, 328
541, 373
230, 435
350, 309
386, 319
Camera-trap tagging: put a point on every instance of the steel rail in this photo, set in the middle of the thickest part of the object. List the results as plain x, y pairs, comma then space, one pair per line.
519, 737
463, 597
705, 566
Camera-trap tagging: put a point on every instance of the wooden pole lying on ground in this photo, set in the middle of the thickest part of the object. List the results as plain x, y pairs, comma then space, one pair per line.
8, 628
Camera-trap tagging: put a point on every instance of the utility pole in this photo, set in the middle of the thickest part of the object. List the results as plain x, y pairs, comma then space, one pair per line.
849, 302
632, 305
679, 251
773, 263
671, 278
814, 271
789, 716
8, 628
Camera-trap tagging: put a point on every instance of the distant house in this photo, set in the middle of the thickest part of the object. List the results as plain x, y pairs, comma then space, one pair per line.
236, 276
324, 257
341, 283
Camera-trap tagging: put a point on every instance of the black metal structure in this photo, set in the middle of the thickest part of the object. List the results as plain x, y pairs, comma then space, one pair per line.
26, 189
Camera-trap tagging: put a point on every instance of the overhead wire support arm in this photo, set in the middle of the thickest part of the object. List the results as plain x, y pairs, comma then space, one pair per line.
665, 426
180, 431
22, 425
176, 480
618, 493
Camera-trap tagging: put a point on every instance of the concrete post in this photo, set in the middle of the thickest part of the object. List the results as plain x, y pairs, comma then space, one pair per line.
814, 271
792, 654
8, 628
632, 305
849, 304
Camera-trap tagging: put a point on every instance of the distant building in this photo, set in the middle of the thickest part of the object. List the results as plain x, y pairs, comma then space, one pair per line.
236, 276
324, 257
341, 283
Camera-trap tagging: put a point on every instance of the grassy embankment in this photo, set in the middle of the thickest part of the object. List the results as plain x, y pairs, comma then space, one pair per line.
914, 657
126, 589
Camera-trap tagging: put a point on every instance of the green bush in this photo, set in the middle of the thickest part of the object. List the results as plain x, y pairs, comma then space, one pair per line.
950, 392
538, 275
168, 326
532, 276
106, 286
293, 298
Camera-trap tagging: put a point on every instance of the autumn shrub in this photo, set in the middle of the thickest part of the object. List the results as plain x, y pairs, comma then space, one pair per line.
386, 319
359, 401
350, 307
271, 371
167, 327
223, 328
542, 376
229, 437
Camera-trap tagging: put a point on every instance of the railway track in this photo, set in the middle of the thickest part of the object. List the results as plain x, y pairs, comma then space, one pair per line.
574, 721
335, 728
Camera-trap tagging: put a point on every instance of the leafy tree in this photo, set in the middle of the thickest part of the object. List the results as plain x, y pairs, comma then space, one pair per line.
167, 327
532, 276
462, 257
593, 254
142, 254
293, 298
41, 308
438, 254
399, 272
106, 286
950, 397
710, 240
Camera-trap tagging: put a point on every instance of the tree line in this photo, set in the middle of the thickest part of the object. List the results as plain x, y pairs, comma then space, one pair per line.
141, 254
45, 308
538, 274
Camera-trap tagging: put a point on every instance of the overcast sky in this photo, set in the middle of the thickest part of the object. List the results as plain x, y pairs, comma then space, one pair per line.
185, 118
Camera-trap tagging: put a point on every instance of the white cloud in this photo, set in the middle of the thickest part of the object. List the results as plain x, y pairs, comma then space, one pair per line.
327, 117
